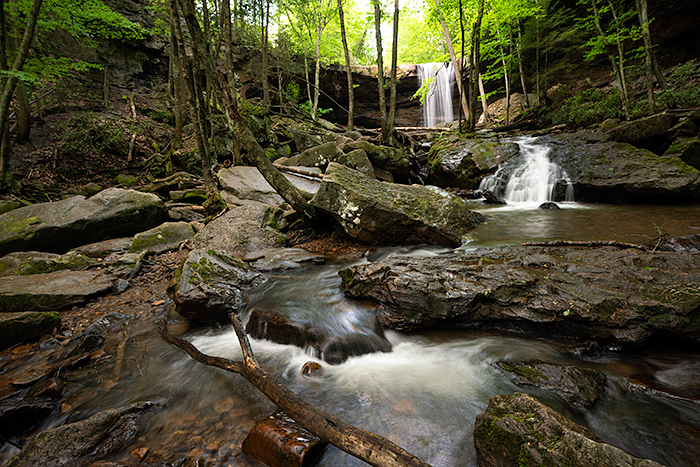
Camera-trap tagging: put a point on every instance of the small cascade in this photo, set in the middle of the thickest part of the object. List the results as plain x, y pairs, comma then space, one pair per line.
437, 107
535, 180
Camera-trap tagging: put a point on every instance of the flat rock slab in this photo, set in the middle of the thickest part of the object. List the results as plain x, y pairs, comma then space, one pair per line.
26, 326
604, 294
247, 183
165, 237
271, 259
384, 213
59, 226
37, 262
518, 429
52, 291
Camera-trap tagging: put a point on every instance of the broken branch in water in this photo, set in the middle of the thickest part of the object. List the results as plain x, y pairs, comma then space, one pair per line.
595, 243
369, 447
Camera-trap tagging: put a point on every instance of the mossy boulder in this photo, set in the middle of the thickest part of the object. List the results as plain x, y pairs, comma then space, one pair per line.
518, 430
648, 132
456, 163
126, 180
35, 262
165, 237
59, 226
318, 156
386, 158
383, 213
687, 150
26, 326
210, 284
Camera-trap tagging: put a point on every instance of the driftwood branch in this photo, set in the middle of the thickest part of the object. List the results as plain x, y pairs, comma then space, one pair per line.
595, 243
296, 170
369, 447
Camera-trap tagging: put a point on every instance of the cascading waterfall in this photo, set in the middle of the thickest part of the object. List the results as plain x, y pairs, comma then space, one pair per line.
437, 107
535, 180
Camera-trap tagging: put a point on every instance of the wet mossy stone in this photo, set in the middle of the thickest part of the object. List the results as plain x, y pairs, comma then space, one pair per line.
687, 150
26, 326
126, 180
210, 284
59, 226
165, 237
382, 213
36, 262
518, 430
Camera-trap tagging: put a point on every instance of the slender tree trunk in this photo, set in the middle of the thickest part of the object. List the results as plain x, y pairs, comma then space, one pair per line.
621, 62
11, 82
317, 71
651, 68
392, 77
460, 87
308, 81
475, 54
456, 66
176, 65
506, 70
265, 15
520, 64
23, 114
484, 104
538, 89
380, 67
348, 71
228, 42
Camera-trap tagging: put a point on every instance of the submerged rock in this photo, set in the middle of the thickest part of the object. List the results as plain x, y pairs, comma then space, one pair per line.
80, 443
378, 212
210, 284
579, 386
52, 291
603, 294
517, 429
59, 226
549, 205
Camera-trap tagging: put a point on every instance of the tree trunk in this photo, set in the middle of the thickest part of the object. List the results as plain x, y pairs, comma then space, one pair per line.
23, 114
11, 82
484, 104
460, 75
475, 58
380, 67
265, 19
520, 64
651, 67
348, 71
456, 67
369, 447
179, 98
621, 62
317, 71
228, 42
391, 123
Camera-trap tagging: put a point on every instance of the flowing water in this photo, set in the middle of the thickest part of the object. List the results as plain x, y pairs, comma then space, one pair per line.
437, 107
426, 393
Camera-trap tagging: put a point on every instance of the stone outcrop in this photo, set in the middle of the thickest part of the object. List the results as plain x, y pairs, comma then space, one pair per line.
517, 429
377, 212
246, 183
614, 172
687, 150
211, 284
577, 385
52, 291
80, 443
59, 226
26, 326
463, 163
645, 132
603, 294
165, 237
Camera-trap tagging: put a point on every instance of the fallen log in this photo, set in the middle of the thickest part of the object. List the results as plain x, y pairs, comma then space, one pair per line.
595, 243
366, 446
296, 170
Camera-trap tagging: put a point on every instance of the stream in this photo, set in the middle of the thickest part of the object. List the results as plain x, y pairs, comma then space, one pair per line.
424, 394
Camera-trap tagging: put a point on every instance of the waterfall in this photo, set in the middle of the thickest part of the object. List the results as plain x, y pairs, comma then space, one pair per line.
437, 107
535, 180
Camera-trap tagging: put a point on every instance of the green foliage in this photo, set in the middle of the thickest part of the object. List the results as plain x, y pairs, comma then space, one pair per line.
306, 106
683, 90
90, 133
424, 90
588, 107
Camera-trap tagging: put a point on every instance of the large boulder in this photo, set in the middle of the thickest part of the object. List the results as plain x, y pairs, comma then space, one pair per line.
648, 132
26, 326
80, 443
61, 225
456, 163
211, 284
615, 172
246, 183
165, 237
387, 158
687, 150
377, 212
241, 230
52, 291
38, 262
517, 429
318, 156
602, 294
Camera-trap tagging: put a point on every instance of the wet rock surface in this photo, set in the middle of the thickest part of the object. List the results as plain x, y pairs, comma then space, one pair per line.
80, 443
210, 284
603, 294
517, 429
26, 326
378, 212
59, 226
579, 386
52, 291
275, 259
